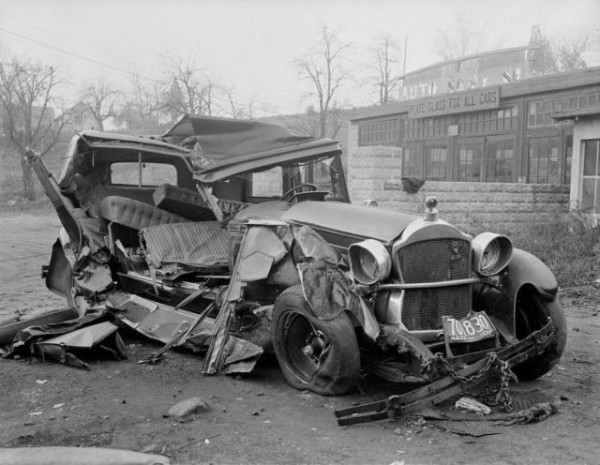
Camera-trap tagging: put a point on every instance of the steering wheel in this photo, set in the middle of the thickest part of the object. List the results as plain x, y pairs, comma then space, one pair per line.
289, 195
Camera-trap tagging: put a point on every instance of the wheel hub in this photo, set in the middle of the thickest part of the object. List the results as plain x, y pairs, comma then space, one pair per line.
315, 346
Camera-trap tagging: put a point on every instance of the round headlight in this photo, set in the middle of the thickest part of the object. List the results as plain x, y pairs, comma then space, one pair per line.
491, 253
370, 261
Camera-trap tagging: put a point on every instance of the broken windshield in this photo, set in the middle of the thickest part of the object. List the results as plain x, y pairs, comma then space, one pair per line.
323, 173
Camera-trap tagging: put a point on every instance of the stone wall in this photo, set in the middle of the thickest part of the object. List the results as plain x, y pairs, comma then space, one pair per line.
374, 173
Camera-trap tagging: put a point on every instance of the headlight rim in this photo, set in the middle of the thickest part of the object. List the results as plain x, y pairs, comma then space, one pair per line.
481, 243
378, 252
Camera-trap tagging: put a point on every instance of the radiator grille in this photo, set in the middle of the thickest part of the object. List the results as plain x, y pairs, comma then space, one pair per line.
433, 261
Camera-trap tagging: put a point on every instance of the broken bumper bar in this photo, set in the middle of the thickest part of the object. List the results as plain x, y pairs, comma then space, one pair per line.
434, 393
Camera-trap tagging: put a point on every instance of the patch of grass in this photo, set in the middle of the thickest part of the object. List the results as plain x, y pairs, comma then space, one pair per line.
569, 247
572, 254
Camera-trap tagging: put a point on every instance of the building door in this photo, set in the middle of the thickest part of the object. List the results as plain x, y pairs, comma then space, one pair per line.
500, 159
543, 161
469, 164
590, 194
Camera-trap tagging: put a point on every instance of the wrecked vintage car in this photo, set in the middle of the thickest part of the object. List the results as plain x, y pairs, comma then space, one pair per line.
239, 236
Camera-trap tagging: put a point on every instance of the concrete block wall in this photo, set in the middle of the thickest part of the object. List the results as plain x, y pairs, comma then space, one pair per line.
375, 172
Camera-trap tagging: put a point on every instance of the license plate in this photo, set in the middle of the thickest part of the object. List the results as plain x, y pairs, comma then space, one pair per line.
474, 327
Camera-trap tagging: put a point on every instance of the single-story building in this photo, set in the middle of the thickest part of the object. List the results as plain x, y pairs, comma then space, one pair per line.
585, 166
494, 154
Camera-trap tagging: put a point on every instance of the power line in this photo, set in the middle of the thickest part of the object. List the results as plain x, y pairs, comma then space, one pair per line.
81, 57
121, 70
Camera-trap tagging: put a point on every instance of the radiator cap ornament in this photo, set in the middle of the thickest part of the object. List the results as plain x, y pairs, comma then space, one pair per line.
431, 212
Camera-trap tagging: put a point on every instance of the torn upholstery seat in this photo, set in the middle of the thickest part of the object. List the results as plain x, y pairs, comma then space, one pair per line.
182, 202
201, 244
133, 213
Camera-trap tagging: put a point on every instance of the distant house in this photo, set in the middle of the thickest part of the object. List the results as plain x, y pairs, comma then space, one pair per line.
82, 117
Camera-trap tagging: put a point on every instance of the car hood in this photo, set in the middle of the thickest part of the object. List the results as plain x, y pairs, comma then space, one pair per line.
343, 224
224, 147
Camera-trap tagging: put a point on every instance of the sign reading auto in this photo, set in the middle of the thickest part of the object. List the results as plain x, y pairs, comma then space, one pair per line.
458, 102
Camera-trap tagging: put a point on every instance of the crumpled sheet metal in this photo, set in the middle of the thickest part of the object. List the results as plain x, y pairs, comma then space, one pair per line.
77, 456
313, 247
328, 293
25, 338
263, 248
10, 328
56, 341
327, 289
162, 323
84, 338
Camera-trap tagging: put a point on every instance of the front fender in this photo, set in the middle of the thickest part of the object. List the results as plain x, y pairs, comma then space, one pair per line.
525, 268
499, 299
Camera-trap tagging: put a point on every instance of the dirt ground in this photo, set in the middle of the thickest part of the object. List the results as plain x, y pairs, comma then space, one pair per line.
259, 418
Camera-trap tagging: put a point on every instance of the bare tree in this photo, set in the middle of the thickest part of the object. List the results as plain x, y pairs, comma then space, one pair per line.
544, 61
26, 96
387, 56
569, 54
459, 39
235, 109
566, 54
324, 69
189, 89
140, 108
102, 99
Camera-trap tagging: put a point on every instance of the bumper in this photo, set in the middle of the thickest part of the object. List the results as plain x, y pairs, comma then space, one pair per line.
397, 406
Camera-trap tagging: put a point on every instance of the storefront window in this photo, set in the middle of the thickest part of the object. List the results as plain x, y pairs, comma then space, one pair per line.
380, 132
435, 163
544, 165
413, 162
500, 156
469, 163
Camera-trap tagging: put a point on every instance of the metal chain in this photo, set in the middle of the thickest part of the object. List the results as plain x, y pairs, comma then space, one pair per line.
502, 369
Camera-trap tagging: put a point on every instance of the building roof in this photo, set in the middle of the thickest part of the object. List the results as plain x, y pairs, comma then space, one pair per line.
578, 113
528, 86
466, 58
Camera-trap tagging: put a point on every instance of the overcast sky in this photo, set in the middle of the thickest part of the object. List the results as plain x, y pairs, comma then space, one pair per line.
250, 44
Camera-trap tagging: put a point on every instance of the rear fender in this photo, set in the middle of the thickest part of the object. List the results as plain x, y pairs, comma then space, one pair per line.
59, 277
499, 300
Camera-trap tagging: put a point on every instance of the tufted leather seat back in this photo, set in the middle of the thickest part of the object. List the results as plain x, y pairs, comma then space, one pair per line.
134, 214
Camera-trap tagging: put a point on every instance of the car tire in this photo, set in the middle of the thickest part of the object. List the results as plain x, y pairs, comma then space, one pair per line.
532, 313
318, 355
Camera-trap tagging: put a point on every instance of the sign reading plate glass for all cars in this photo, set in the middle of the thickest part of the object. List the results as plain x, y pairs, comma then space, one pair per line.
456, 102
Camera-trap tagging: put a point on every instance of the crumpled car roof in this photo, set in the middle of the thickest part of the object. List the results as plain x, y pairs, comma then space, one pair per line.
223, 147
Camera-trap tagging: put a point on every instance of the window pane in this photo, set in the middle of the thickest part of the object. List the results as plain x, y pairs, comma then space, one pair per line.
268, 183
544, 166
590, 157
413, 163
125, 173
435, 164
534, 157
469, 163
152, 174
156, 174
500, 161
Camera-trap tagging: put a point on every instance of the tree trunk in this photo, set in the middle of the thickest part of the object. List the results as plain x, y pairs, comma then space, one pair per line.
28, 181
323, 124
